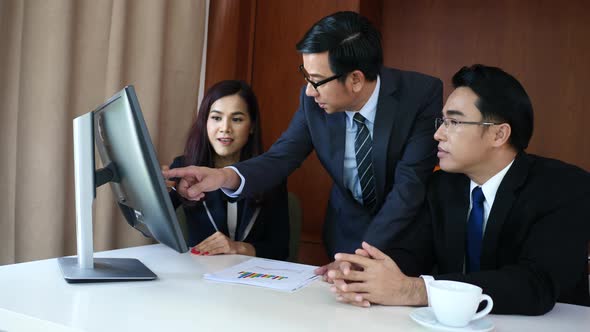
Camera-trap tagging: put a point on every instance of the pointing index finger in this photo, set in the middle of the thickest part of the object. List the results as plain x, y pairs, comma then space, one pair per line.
177, 172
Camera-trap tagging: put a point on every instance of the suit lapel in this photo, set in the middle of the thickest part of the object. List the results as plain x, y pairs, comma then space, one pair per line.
337, 129
247, 211
387, 111
456, 222
505, 197
218, 208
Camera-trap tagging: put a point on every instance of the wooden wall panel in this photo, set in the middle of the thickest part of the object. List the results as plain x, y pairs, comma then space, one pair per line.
545, 44
230, 40
373, 10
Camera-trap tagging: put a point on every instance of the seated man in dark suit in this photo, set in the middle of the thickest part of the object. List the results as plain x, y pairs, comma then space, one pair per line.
514, 224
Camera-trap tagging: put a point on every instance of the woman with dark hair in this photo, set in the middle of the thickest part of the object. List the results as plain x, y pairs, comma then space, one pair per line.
226, 130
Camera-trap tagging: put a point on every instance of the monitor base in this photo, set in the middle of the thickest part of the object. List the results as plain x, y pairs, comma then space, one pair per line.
105, 270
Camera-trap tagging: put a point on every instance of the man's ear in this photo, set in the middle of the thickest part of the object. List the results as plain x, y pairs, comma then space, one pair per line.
502, 134
357, 80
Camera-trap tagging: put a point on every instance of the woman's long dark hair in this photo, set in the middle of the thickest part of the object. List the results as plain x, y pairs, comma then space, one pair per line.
198, 150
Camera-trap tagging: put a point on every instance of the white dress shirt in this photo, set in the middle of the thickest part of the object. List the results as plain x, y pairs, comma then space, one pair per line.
350, 174
489, 189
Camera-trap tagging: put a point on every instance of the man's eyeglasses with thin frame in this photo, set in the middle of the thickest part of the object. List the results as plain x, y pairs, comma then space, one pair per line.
452, 123
316, 85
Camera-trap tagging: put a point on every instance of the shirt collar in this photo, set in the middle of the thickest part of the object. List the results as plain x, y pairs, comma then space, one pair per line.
490, 187
370, 108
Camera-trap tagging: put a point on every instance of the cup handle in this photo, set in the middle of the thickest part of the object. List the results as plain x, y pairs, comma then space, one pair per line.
487, 309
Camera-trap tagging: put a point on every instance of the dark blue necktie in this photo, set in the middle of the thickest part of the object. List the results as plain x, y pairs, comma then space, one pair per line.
363, 148
475, 230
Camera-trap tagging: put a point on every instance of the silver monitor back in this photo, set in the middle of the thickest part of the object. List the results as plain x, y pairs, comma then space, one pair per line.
124, 145
122, 139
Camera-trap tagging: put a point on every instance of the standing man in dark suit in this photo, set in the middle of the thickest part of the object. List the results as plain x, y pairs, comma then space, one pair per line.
370, 126
514, 224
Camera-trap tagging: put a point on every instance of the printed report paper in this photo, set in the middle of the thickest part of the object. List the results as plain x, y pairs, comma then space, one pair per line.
262, 272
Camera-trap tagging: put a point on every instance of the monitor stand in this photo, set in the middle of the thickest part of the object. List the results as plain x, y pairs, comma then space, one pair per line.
105, 269
84, 267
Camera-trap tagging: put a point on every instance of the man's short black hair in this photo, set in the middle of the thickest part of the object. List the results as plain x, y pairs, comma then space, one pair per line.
352, 42
501, 98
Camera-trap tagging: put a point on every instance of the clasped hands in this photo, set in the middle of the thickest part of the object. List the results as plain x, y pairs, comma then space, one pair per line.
370, 276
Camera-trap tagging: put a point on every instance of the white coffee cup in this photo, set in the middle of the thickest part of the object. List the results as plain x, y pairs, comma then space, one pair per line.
455, 303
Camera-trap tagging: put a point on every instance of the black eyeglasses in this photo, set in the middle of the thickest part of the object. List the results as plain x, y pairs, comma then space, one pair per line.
452, 123
316, 85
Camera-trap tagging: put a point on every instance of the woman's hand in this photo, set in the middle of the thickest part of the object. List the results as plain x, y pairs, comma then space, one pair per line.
219, 243
169, 183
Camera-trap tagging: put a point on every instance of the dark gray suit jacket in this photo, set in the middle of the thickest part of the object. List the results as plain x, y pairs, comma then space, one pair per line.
404, 155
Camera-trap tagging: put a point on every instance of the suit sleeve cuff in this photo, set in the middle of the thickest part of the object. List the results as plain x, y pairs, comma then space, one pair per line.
237, 192
427, 280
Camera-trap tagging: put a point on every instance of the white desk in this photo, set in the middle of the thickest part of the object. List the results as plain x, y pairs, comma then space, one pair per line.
34, 297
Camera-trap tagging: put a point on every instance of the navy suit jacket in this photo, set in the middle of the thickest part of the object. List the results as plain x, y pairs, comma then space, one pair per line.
404, 155
534, 250
270, 233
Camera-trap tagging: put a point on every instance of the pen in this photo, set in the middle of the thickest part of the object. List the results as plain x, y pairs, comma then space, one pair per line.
206, 209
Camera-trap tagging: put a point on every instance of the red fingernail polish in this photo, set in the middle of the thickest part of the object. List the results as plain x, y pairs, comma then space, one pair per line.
194, 251
206, 253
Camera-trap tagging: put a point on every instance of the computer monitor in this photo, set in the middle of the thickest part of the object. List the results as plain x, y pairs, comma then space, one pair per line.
132, 169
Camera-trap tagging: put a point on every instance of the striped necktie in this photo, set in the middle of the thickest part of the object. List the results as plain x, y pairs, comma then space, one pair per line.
363, 148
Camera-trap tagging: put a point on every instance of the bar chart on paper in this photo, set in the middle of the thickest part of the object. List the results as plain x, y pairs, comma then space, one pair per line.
267, 273
252, 275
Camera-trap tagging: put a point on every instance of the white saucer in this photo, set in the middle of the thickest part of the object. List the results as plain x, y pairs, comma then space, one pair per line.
425, 316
